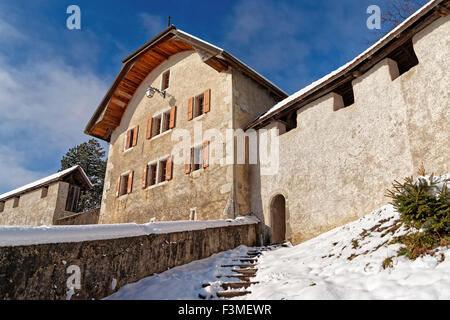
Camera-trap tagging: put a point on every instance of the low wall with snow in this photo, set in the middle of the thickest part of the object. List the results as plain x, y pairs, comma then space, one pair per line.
39, 262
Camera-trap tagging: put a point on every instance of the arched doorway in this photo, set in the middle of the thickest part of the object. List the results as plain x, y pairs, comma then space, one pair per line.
278, 218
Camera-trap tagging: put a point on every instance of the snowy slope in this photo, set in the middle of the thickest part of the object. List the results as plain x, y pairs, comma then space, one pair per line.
344, 263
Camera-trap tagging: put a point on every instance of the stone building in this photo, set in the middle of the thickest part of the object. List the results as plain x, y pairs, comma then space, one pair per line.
46, 201
341, 141
177, 84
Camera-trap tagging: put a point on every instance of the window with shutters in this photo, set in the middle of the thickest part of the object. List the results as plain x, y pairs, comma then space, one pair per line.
199, 105
158, 172
196, 158
131, 138
165, 80
162, 123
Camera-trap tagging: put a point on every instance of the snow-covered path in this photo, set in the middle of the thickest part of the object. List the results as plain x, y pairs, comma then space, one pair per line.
346, 263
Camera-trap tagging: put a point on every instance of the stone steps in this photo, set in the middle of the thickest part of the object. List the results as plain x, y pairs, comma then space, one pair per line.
232, 294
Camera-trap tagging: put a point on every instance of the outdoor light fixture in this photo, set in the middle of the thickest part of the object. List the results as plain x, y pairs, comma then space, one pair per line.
150, 92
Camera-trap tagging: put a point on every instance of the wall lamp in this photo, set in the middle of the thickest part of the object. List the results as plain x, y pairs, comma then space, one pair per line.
150, 92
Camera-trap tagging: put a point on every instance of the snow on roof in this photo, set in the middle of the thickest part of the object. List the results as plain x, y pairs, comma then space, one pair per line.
54, 177
368, 52
27, 235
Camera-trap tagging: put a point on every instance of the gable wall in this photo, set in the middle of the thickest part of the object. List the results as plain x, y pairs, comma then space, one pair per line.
208, 189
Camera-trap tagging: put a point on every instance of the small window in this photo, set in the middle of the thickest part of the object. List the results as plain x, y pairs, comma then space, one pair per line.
131, 138
2, 206
196, 158
162, 170
165, 80
156, 126
160, 123
156, 173
16, 202
199, 105
123, 189
44, 192
193, 214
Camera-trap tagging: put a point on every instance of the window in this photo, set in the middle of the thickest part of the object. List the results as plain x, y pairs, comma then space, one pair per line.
152, 174
16, 202
165, 80
193, 214
72, 198
161, 123
196, 158
2, 206
124, 184
131, 138
44, 191
157, 172
199, 105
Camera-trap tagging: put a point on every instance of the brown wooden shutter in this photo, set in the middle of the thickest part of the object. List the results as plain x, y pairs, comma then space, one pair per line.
148, 135
207, 100
128, 143
173, 112
130, 182
144, 177
190, 108
135, 135
117, 186
205, 155
169, 168
187, 162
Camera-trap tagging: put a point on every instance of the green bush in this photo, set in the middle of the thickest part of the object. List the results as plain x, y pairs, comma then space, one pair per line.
422, 204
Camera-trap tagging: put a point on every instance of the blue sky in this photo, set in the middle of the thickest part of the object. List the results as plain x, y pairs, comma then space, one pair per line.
52, 78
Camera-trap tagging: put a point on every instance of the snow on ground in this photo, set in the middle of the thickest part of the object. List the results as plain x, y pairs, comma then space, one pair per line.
183, 282
344, 263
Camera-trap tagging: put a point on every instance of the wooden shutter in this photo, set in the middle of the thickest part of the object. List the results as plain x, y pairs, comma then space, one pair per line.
187, 162
148, 135
173, 112
128, 143
135, 135
190, 108
117, 186
205, 154
207, 100
169, 168
130, 182
144, 177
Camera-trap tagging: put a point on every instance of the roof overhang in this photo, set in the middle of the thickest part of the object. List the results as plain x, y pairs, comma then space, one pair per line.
429, 13
139, 64
81, 177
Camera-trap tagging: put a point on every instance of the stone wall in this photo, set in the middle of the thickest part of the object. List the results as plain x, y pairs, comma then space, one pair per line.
336, 165
40, 271
82, 218
33, 209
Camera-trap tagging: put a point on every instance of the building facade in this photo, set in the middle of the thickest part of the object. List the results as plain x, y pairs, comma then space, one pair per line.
176, 90
47, 201
339, 143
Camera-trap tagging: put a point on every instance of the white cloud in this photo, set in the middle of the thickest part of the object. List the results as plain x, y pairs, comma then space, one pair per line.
152, 23
45, 105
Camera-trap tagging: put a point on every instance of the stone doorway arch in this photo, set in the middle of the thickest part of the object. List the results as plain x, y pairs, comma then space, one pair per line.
278, 219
